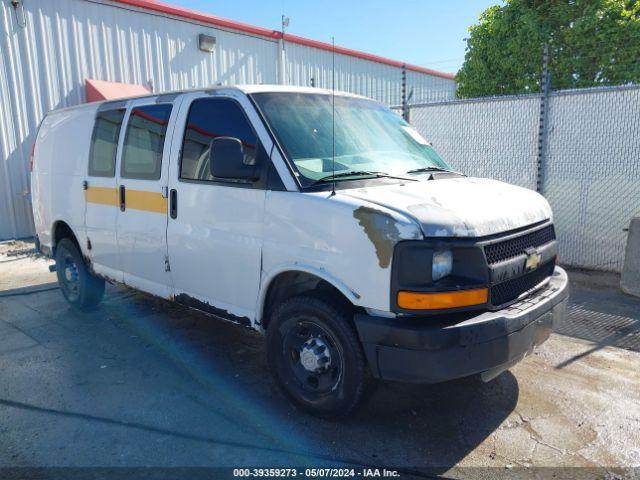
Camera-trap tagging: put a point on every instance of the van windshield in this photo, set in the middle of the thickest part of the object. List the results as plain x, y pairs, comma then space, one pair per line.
368, 137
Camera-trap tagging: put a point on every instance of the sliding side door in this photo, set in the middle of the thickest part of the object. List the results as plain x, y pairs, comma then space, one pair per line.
142, 195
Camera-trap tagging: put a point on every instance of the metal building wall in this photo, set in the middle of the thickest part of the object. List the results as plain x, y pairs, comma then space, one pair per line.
423, 88
364, 77
375, 80
44, 65
590, 170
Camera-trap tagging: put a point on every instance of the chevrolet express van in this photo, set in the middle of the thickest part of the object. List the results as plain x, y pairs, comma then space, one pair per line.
323, 220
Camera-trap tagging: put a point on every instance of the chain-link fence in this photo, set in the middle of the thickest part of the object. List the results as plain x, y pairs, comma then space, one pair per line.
485, 137
583, 154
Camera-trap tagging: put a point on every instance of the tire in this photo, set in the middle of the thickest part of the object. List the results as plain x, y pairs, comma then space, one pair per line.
80, 288
303, 332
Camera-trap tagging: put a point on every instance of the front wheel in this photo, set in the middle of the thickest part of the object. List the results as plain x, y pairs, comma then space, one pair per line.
79, 287
315, 356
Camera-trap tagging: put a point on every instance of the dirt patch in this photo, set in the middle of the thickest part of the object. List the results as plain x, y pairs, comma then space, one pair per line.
17, 248
563, 434
22, 266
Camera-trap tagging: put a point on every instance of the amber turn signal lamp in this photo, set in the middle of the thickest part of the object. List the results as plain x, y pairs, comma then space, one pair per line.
442, 300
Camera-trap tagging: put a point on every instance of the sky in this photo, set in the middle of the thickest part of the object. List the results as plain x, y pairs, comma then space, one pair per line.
429, 33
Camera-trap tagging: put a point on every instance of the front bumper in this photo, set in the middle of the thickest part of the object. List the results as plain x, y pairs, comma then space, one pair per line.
428, 350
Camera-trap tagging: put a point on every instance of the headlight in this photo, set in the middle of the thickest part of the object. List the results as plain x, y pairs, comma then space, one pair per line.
424, 276
442, 264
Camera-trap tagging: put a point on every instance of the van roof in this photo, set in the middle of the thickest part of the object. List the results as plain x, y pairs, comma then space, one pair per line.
286, 88
247, 89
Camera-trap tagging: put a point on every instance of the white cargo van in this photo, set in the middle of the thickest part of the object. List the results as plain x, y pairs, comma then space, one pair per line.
324, 221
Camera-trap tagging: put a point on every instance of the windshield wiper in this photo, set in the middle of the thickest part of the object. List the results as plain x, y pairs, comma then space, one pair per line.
430, 169
360, 173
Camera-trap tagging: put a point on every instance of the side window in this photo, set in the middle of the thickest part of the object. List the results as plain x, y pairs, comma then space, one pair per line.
144, 142
210, 118
104, 143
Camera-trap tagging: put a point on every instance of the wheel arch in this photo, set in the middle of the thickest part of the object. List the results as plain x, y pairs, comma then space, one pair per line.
288, 281
59, 230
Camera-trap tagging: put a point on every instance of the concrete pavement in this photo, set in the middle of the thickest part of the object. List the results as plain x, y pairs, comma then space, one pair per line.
143, 382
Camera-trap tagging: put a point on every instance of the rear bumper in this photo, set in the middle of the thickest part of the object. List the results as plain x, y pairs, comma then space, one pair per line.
428, 350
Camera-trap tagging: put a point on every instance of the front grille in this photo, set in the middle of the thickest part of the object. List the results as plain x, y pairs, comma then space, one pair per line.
497, 252
505, 292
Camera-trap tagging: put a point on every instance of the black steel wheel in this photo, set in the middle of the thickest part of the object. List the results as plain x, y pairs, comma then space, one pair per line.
315, 356
79, 287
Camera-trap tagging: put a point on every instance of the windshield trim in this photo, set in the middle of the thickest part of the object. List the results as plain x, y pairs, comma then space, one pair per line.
352, 183
293, 170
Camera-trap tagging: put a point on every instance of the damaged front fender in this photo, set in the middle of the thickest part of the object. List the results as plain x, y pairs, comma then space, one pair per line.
383, 231
349, 239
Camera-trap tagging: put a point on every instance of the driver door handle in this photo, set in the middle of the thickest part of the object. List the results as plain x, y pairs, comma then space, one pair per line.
123, 204
173, 203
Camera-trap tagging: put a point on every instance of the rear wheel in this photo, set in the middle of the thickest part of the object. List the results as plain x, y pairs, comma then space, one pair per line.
80, 288
315, 356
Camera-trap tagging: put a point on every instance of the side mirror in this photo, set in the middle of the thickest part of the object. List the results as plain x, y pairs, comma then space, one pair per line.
226, 160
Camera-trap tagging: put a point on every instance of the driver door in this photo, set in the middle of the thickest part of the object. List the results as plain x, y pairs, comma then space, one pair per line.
215, 229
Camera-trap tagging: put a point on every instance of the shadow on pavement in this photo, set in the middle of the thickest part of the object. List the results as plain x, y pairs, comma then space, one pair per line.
409, 426
141, 381
43, 287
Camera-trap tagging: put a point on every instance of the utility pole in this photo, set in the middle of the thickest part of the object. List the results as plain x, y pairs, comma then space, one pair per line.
282, 67
545, 84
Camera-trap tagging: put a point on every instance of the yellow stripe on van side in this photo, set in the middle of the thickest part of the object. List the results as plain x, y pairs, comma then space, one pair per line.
147, 201
102, 196
134, 199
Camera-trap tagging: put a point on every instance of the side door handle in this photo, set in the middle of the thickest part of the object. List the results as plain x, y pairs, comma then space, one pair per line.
123, 204
173, 203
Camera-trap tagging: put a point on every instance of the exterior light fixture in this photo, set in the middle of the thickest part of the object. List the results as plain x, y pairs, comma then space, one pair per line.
206, 43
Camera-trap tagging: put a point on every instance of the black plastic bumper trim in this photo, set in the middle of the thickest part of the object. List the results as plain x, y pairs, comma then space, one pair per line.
430, 350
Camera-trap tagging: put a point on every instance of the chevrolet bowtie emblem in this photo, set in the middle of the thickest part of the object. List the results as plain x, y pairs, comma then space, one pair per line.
533, 259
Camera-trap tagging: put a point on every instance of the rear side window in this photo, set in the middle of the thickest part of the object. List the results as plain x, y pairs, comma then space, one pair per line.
104, 143
210, 118
144, 142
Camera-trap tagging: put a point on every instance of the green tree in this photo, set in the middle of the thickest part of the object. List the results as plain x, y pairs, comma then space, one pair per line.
590, 42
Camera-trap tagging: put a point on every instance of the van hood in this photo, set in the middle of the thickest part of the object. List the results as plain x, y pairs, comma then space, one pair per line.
460, 207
